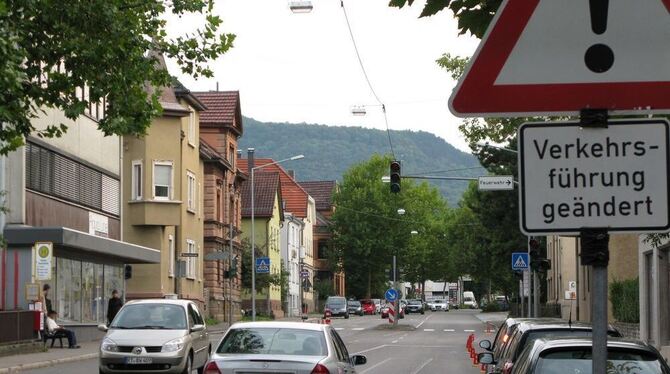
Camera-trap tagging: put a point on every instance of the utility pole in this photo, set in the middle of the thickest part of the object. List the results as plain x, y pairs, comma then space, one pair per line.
536, 291
231, 236
395, 287
595, 252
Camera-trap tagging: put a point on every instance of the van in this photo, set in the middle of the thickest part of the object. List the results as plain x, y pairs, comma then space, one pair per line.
469, 300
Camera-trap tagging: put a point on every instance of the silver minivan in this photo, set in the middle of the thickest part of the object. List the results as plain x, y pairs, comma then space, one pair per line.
155, 336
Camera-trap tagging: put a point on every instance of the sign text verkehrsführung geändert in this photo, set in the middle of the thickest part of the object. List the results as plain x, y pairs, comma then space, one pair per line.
573, 177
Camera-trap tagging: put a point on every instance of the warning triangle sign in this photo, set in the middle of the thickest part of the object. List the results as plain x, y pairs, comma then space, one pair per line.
556, 57
520, 263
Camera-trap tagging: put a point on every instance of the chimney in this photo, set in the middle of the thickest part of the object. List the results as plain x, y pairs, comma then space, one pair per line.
250, 161
291, 173
239, 154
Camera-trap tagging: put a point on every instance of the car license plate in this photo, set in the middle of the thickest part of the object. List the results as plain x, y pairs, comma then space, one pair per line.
138, 360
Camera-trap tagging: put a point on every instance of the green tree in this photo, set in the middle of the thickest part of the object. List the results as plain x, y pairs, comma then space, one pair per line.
50, 49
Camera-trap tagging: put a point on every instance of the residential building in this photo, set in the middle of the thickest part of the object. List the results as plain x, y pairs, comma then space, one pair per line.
220, 128
268, 217
67, 191
297, 202
654, 270
163, 176
322, 192
291, 248
568, 279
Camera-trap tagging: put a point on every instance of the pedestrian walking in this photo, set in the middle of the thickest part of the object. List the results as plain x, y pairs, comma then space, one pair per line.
57, 330
113, 306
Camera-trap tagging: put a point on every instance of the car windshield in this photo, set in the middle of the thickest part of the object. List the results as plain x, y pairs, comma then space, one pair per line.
439, 301
366, 302
150, 317
354, 303
335, 302
579, 361
274, 341
415, 302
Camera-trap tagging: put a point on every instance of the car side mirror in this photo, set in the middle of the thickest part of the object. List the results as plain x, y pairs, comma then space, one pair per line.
359, 360
197, 328
485, 358
102, 327
486, 344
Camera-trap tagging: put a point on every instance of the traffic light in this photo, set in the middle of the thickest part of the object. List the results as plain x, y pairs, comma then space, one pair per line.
395, 176
127, 272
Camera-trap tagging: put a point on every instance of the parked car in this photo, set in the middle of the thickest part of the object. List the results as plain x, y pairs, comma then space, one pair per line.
527, 331
469, 300
385, 312
415, 306
354, 307
378, 305
300, 348
168, 335
369, 307
337, 305
439, 305
573, 355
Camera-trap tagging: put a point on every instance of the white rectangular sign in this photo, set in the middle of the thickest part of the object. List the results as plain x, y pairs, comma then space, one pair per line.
496, 183
43, 257
573, 177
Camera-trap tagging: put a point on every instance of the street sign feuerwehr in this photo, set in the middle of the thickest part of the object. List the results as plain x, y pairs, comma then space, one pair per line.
496, 183
614, 178
561, 56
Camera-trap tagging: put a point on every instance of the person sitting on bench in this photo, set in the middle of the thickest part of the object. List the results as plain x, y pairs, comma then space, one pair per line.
53, 328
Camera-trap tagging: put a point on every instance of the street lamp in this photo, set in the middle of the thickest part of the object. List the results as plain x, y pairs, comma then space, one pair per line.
253, 234
487, 145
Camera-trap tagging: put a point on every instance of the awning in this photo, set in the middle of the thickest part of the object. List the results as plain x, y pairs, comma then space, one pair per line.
81, 241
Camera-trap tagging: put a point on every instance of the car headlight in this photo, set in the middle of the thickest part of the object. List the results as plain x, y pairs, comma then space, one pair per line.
173, 345
108, 345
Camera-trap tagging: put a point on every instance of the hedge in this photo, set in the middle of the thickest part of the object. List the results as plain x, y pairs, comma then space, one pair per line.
625, 298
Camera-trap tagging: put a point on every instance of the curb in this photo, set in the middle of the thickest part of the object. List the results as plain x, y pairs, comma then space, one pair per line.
43, 364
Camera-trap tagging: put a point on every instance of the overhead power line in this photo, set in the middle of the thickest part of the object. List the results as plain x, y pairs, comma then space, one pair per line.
367, 78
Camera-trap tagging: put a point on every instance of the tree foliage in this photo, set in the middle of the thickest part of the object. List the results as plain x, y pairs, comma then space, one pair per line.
49, 50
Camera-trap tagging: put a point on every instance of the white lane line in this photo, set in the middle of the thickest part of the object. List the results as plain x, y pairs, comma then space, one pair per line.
373, 348
449, 330
422, 366
339, 328
395, 341
469, 330
424, 321
428, 330
377, 365
361, 328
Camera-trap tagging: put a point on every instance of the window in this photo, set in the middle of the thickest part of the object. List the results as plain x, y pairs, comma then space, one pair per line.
136, 179
162, 180
323, 249
231, 154
219, 212
191, 128
170, 255
190, 261
191, 191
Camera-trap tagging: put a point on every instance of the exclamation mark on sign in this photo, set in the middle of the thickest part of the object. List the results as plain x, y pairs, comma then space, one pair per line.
599, 58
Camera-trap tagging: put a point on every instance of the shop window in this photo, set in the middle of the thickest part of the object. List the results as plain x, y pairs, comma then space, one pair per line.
137, 180
93, 301
68, 290
162, 180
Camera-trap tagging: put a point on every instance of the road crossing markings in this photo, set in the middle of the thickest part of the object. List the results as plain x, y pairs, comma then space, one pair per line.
395, 341
358, 328
449, 330
339, 328
428, 330
422, 366
468, 330
376, 365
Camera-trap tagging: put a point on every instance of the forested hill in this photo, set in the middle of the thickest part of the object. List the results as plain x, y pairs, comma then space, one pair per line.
330, 150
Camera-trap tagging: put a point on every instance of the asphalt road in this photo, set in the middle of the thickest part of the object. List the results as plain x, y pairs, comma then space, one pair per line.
429, 343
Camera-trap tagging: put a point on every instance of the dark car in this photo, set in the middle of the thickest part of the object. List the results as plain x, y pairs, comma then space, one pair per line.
573, 355
414, 306
337, 306
354, 307
527, 331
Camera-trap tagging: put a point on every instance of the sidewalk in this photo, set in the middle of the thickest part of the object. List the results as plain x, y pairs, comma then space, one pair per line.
55, 356
495, 318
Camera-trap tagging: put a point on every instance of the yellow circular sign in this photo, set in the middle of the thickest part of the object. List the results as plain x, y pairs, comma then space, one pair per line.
43, 251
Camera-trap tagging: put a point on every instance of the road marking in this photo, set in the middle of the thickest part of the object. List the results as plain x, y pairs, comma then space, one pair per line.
339, 328
428, 330
424, 321
422, 366
449, 330
358, 328
469, 330
376, 365
395, 341
372, 349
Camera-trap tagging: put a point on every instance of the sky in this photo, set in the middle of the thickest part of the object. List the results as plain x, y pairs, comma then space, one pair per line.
303, 67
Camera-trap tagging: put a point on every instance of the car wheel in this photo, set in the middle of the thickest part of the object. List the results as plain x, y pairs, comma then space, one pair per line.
346, 316
422, 312
188, 368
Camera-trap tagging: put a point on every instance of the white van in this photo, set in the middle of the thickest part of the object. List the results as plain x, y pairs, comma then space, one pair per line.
469, 300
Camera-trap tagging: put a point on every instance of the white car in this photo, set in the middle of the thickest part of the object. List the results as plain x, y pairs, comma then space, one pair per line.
439, 305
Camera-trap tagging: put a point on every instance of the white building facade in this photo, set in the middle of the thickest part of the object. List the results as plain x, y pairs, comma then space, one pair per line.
291, 251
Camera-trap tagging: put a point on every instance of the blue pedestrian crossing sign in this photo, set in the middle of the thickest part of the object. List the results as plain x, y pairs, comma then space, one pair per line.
520, 261
262, 265
391, 295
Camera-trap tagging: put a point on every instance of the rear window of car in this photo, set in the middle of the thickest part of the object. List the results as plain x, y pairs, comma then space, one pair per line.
277, 341
366, 302
579, 361
533, 335
354, 303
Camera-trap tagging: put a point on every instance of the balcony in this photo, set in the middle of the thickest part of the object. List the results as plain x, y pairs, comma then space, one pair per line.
154, 213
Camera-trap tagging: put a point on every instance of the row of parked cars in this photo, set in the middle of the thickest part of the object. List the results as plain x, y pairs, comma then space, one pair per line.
556, 346
170, 336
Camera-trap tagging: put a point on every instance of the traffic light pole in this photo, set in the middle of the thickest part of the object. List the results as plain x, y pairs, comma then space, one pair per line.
536, 292
595, 253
